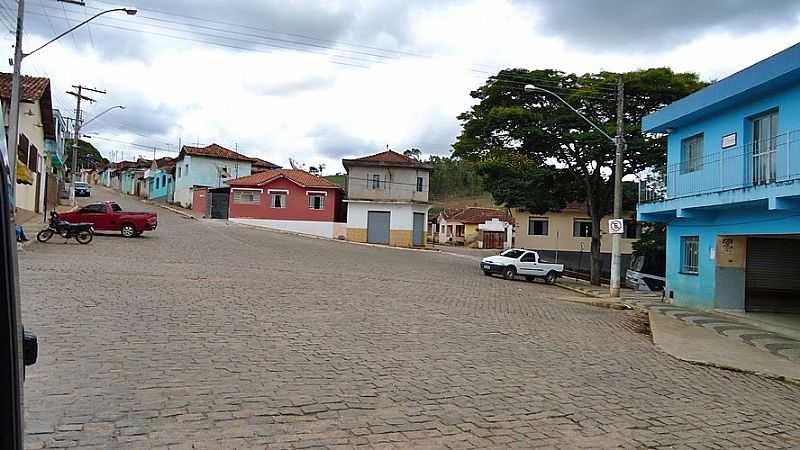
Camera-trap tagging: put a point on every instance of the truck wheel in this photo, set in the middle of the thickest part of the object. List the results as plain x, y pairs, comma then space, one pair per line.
128, 230
509, 272
550, 278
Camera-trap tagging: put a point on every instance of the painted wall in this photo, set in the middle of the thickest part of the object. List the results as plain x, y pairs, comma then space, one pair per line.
402, 217
200, 201
330, 230
202, 171
560, 233
701, 290
735, 170
30, 124
400, 184
161, 189
296, 204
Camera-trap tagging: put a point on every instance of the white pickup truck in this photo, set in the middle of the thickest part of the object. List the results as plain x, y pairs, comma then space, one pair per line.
522, 262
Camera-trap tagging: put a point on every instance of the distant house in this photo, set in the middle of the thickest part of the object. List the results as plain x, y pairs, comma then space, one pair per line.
475, 227
37, 125
387, 199
259, 165
159, 180
287, 199
211, 166
566, 236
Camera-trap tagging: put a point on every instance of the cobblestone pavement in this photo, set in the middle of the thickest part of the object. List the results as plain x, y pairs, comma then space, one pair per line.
209, 336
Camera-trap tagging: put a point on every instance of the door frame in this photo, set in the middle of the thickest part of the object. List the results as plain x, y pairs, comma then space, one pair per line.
422, 232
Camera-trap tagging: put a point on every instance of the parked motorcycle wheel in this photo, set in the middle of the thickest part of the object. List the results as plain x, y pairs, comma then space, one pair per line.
84, 237
44, 235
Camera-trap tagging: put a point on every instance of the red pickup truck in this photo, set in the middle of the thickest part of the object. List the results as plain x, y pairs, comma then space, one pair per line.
109, 216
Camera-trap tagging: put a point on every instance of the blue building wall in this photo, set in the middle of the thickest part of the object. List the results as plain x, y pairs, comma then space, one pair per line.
204, 171
160, 185
127, 182
736, 168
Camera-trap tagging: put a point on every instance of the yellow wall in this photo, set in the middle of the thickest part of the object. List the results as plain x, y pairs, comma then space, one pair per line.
560, 233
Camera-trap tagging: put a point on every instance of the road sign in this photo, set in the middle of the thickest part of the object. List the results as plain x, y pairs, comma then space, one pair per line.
616, 226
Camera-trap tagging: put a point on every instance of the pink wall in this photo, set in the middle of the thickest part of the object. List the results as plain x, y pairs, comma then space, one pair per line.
200, 200
296, 204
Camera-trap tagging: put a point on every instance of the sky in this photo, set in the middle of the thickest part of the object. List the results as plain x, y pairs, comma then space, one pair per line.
322, 80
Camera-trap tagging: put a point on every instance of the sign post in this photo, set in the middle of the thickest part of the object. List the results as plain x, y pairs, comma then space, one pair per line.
616, 226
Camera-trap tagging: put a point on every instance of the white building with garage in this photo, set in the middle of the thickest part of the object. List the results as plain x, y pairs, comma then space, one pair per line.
387, 199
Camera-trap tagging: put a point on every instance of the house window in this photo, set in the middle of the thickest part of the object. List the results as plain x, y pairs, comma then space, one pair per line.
582, 228
179, 172
157, 180
277, 200
376, 181
632, 230
22, 149
459, 230
419, 184
247, 197
538, 226
163, 180
690, 254
765, 147
316, 201
692, 154
33, 159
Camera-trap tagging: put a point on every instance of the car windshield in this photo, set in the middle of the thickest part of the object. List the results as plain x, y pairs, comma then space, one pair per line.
81, 184
115, 207
514, 254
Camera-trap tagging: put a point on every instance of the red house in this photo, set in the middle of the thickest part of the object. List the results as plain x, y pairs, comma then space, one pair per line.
290, 200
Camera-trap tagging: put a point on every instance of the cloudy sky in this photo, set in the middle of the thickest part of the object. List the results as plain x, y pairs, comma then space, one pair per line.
320, 80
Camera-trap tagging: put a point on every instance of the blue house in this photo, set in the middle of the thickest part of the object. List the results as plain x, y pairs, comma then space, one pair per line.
209, 166
160, 180
730, 193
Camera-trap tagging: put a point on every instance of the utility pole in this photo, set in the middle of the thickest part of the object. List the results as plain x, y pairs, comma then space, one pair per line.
616, 238
76, 138
13, 127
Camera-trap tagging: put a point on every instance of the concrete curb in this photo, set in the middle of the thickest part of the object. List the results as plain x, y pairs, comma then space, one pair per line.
175, 210
342, 241
577, 290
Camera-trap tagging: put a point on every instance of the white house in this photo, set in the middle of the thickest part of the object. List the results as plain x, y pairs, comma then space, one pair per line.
387, 199
209, 166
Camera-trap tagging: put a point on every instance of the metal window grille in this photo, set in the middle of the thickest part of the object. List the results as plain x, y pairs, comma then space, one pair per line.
538, 227
690, 254
247, 197
316, 202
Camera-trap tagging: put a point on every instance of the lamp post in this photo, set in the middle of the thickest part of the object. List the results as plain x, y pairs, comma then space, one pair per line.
98, 116
16, 81
619, 143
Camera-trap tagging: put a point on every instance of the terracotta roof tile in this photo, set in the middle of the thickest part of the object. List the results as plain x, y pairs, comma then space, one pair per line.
264, 163
32, 87
387, 158
213, 151
479, 215
299, 177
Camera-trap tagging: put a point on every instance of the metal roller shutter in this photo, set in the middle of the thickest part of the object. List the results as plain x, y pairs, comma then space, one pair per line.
773, 275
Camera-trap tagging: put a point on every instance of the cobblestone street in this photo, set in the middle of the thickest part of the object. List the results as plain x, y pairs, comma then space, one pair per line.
205, 335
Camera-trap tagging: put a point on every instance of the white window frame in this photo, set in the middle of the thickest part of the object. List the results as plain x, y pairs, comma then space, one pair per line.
692, 151
313, 195
238, 190
589, 221
538, 219
273, 192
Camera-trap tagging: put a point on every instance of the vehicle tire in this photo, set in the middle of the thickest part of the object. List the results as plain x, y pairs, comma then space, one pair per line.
84, 237
509, 273
550, 278
128, 230
44, 235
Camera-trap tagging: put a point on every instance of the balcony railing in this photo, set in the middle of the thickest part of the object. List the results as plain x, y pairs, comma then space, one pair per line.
761, 162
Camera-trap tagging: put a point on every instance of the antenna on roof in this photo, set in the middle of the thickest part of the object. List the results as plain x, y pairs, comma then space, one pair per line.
295, 165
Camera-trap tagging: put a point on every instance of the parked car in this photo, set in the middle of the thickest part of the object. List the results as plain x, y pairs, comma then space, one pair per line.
82, 189
647, 272
109, 216
522, 262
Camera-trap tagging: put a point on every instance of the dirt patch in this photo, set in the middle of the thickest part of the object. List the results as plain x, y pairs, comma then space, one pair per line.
637, 322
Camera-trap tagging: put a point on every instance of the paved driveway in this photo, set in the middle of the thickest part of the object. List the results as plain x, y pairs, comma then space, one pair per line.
204, 335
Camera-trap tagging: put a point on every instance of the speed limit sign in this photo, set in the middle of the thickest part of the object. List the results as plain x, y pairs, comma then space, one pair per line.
616, 226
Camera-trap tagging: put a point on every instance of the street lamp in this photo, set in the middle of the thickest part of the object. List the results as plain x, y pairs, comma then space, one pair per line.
104, 112
619, 142
13, 126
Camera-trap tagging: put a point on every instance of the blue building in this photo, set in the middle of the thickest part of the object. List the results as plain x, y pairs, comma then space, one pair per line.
160, 181
209, 166
730, 193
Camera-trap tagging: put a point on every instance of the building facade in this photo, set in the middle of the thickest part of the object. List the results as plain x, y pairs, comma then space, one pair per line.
290, 200
566, 236
36, 125
211, 166
387, 199
730, 193
474, 227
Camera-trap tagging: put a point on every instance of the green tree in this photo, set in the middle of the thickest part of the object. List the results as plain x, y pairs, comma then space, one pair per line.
88, 156
413, 153
509, 133
453, 177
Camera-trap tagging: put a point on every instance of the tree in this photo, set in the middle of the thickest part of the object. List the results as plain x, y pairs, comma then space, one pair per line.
413, 153
88, 156
551, 155
453, 177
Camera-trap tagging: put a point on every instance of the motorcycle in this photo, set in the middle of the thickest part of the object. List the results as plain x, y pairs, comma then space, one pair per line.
82, 232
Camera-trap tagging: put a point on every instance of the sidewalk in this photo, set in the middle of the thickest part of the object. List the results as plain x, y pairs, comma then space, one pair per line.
701, 337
